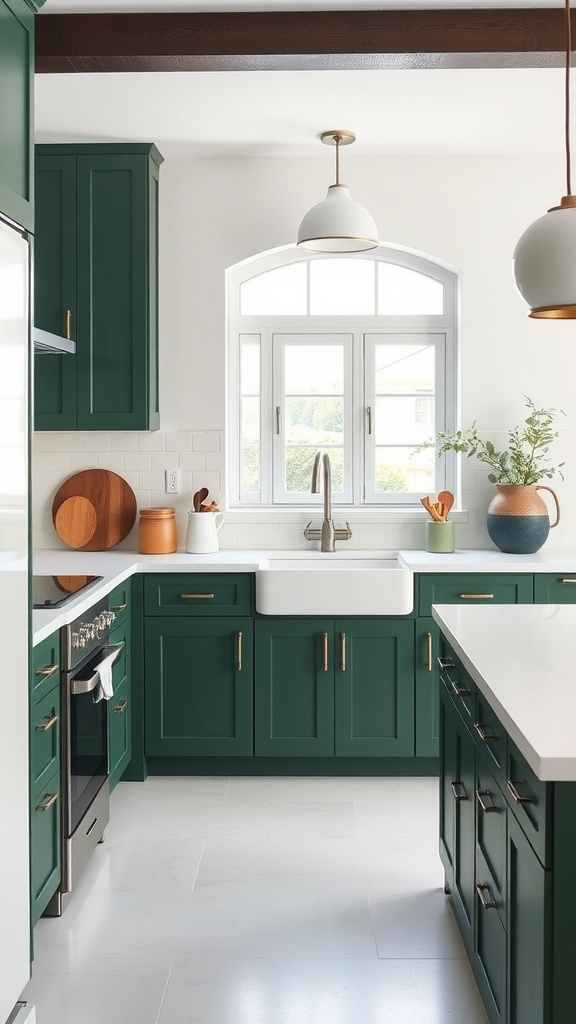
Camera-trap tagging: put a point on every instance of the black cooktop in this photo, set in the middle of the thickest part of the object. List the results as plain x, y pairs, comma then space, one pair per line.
53, 591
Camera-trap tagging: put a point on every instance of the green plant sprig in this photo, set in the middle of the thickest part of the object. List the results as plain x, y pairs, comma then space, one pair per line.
525, 461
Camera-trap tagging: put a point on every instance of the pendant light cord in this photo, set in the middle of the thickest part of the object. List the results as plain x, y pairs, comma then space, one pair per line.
567, 103
337, 141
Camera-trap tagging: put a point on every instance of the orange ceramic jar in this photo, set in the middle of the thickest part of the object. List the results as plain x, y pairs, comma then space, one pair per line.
157, 534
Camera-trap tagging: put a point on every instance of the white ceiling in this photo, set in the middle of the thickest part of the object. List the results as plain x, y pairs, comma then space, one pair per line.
282, 113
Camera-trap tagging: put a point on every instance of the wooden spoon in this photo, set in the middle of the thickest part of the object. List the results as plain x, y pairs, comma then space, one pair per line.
202, 494
447, 499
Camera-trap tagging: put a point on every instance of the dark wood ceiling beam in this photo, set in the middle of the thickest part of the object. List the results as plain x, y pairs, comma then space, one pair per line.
298, 39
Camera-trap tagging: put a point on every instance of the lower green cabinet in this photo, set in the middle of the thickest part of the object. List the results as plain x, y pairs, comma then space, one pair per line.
45, 786
326, 687
120, 706
44, 845
529, 945
555, 588
427, 693
198, 686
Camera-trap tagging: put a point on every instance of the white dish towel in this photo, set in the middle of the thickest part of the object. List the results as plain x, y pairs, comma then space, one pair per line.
105, 688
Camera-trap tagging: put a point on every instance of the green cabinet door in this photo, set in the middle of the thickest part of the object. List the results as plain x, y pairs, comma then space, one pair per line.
294, 687
198, 686
44, 845
97, 206
555, 588
447, 715
427, 681
529, 887
464, 885
374, 687
490, 934
16, 89
120, 706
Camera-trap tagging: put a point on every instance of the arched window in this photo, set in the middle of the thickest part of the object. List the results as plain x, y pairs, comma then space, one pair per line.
354, 354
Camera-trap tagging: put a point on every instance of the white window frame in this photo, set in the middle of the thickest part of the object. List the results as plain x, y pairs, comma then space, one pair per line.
438, 328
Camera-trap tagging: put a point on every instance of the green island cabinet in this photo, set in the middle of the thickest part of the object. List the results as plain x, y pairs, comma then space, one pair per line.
506, 844
96, 281
452, 588
16, 110
45, 787
120, 704
198, 658
334, 687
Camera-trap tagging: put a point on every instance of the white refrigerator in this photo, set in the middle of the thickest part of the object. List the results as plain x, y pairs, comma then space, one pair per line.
14, 620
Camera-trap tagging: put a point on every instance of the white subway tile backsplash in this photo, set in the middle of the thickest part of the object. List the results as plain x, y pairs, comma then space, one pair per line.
152, 481
152, 441
206, 441
164, 460
192, 461
44, 442
136, 461
114, 461
73, 441
215, 462
124, 441
179, 442
96, 442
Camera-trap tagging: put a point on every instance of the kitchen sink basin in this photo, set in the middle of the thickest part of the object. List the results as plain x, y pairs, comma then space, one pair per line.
335, 583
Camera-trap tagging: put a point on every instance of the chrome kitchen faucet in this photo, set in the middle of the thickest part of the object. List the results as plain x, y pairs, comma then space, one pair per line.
328, 534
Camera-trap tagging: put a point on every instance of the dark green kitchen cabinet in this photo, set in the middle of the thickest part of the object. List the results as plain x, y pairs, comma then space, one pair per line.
326, 687
198, 686
473, 588
16, 111
45, 718
96, 281
529, 886
120, 704
44, 845
427, 694
555, 588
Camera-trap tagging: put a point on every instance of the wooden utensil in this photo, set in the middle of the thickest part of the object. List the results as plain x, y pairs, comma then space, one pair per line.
114, 503
447, 499
75, 521
431, 509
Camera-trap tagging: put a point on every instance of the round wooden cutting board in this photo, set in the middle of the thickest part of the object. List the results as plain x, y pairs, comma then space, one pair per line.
103, 518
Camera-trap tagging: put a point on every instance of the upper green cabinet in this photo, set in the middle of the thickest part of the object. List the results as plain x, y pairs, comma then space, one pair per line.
96, 281
16, 77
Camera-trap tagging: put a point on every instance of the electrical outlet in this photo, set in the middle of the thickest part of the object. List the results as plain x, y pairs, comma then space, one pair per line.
172, 481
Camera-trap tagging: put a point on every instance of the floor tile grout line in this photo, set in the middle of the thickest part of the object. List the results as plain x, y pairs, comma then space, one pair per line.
198, 864
165, 989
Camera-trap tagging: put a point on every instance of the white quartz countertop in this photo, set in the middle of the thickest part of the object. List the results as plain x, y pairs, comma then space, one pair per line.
560, 560
523, 659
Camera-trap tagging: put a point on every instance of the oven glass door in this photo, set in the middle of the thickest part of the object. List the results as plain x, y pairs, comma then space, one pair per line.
88, 752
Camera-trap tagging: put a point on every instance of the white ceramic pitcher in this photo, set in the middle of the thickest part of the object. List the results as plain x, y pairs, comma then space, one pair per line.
202, 532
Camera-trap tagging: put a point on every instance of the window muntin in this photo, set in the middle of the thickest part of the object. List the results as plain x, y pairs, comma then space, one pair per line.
401, 366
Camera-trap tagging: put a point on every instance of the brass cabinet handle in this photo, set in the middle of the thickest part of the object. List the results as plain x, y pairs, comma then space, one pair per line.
429, 651
477, 597
48, 671
460, 691
486, 807
47, 723
487, 737
68, 329
487, 903
239, 651
445, 663
513, 787
568, 581
48, 802
325, 651
458, 790
342, 651
120, 707
195, 597
118, 607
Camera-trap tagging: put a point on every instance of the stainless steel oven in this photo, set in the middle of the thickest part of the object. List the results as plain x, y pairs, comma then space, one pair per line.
84, 645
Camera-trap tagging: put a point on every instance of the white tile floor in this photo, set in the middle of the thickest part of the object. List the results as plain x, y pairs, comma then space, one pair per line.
260, 901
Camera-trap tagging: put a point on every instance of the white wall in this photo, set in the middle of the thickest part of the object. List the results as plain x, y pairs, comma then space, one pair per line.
467, 211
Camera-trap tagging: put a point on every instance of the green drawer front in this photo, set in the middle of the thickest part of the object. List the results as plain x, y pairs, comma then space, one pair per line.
119, 737
461, 688
479, 588
198, 594
44, 846
119, 603
555, 588
531, 803
45, 738
490, 957
45, 666
491, 738
491, 820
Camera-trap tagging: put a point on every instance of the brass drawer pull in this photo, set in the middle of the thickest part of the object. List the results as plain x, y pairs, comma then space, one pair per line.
459, 791
48, 671
194, 597
444, 663
477, 597
120, 707
487, 737
48, 802
118, 607
488, 808
343, 651
568, 581
239, 651
487, 903
68, 328
460, 691
513, 787
325, 651
429, 651
47, 723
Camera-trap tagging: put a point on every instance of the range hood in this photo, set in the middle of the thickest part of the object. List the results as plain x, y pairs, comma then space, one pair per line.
46, 342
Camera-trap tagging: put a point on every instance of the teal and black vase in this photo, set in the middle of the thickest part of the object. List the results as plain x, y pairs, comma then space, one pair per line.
518, 519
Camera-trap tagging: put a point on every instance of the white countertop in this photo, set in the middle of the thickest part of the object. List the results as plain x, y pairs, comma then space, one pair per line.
551, 560
523, 660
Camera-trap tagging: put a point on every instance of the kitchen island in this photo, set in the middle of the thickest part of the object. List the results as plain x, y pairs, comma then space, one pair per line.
508, 802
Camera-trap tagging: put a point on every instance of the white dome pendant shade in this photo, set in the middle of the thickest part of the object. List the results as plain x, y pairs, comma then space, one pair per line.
544, 260
338, 223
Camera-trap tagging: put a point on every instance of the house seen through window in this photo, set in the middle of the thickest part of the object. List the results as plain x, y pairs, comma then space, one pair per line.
353, 354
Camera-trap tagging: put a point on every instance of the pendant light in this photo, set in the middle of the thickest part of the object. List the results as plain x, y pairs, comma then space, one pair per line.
338, 223
544, 261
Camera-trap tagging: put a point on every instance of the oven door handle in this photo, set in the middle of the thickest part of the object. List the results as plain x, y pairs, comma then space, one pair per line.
79, 685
